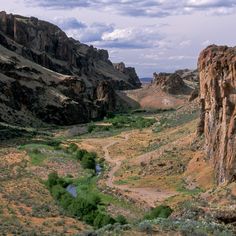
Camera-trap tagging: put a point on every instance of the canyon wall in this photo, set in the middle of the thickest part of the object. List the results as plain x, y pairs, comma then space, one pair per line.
54, 78
217, 71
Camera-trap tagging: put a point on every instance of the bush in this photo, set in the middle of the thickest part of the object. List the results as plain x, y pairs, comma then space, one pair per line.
80, 153
88, 161
57, 192
161, 211
52, 179
121, 220
66, 200
102, 219
91, 128
72, 147
145, 227
53, 143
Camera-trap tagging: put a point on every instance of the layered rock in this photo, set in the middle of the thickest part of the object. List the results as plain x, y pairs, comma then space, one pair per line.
171, 83
217, 70
52, 77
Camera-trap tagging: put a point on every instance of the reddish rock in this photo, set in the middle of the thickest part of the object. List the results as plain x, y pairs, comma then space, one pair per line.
217, 70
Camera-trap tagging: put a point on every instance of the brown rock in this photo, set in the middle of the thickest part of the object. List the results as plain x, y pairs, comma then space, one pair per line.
171, 83
217, 69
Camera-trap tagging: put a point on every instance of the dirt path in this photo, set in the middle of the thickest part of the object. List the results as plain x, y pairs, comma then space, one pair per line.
147, 196
116, 163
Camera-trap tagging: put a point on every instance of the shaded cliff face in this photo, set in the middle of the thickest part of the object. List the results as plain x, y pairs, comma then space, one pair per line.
130, 72
53, 78
29, 92
217, 69
47, 45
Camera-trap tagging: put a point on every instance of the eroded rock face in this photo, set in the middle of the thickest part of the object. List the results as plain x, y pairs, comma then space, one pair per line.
217, 69
190, 75
171, 83
130, 72
56, 79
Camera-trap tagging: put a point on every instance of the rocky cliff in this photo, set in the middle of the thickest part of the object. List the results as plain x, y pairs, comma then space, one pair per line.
171, 83
128, 71
53, 78
217, 69
189, 75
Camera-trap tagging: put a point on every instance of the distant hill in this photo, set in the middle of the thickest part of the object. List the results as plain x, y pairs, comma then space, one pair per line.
146, 80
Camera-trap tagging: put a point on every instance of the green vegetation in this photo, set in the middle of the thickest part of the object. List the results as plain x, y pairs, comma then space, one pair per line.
127, 121
87, 205
187, 227
161, 211
174, 120
41, 151
121, 220
152, 111
87, 159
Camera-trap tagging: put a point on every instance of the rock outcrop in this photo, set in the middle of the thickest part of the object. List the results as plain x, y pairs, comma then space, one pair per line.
171, 83
217, 70
130, 72
53, 78
190, 75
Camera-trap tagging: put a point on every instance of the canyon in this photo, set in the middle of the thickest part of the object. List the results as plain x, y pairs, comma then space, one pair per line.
166, 148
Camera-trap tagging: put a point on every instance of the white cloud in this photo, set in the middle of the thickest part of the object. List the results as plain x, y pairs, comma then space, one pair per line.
206, 42
108, 36
149, 8
185, 43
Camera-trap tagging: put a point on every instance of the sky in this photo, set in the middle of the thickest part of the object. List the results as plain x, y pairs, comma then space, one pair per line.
150, 35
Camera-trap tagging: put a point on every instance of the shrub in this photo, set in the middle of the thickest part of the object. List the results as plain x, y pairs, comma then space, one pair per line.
102, 219
94, 199
52, 179
80, 153
121, 219
57, 192
91, 128
72, 147
145, 227
66, 200
53, 143
88, 161
161, 211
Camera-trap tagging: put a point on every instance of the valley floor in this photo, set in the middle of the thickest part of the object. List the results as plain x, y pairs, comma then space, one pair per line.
143, 168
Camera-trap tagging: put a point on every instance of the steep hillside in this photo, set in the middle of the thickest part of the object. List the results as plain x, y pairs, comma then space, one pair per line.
46, 76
